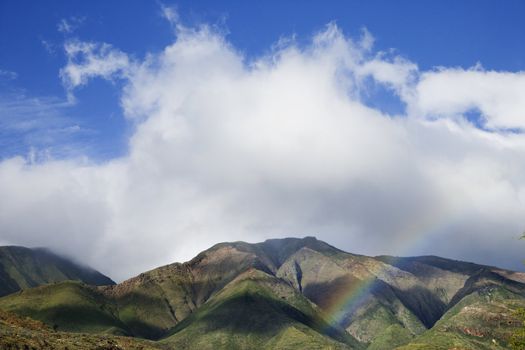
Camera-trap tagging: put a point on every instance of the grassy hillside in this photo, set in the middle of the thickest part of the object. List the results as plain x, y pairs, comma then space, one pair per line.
22, 333
22, 268
67, 306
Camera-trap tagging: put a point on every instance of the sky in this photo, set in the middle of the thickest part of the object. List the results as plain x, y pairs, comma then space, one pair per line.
136, 134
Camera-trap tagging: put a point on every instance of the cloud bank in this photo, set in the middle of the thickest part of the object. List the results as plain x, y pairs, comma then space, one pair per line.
230, 148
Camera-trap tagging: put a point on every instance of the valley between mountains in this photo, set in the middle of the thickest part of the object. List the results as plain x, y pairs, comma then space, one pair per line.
279, 294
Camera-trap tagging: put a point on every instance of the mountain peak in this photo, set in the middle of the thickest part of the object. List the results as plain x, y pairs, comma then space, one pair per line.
279, 250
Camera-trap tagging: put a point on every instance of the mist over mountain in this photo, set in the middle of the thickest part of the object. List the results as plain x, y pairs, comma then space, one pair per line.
22, 268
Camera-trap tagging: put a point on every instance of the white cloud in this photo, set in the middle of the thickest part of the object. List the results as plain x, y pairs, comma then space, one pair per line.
452, 92
228, 149
397, 74
86, 60
69, 25
48, 46
170, 14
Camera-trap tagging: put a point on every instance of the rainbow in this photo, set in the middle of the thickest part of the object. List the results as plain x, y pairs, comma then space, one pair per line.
349, 301
356, 294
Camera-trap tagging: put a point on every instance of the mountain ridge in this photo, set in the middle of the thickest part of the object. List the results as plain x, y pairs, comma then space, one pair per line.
212, 299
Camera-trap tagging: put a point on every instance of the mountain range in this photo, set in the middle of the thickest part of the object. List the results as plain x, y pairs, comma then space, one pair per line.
287, 293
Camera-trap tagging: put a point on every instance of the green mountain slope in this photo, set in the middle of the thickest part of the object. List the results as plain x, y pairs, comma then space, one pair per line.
22, 268
67, 306
256, 311
152, 303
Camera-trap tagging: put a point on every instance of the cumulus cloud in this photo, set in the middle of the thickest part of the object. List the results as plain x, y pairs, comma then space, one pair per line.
227, 148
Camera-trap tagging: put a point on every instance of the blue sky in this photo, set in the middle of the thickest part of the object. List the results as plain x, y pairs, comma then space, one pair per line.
440, 33
159, 128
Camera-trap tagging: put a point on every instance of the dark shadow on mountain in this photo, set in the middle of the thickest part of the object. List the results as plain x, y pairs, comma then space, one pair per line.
427, 306
7, 284
76, 318
409, 264
483, 279
337, 289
